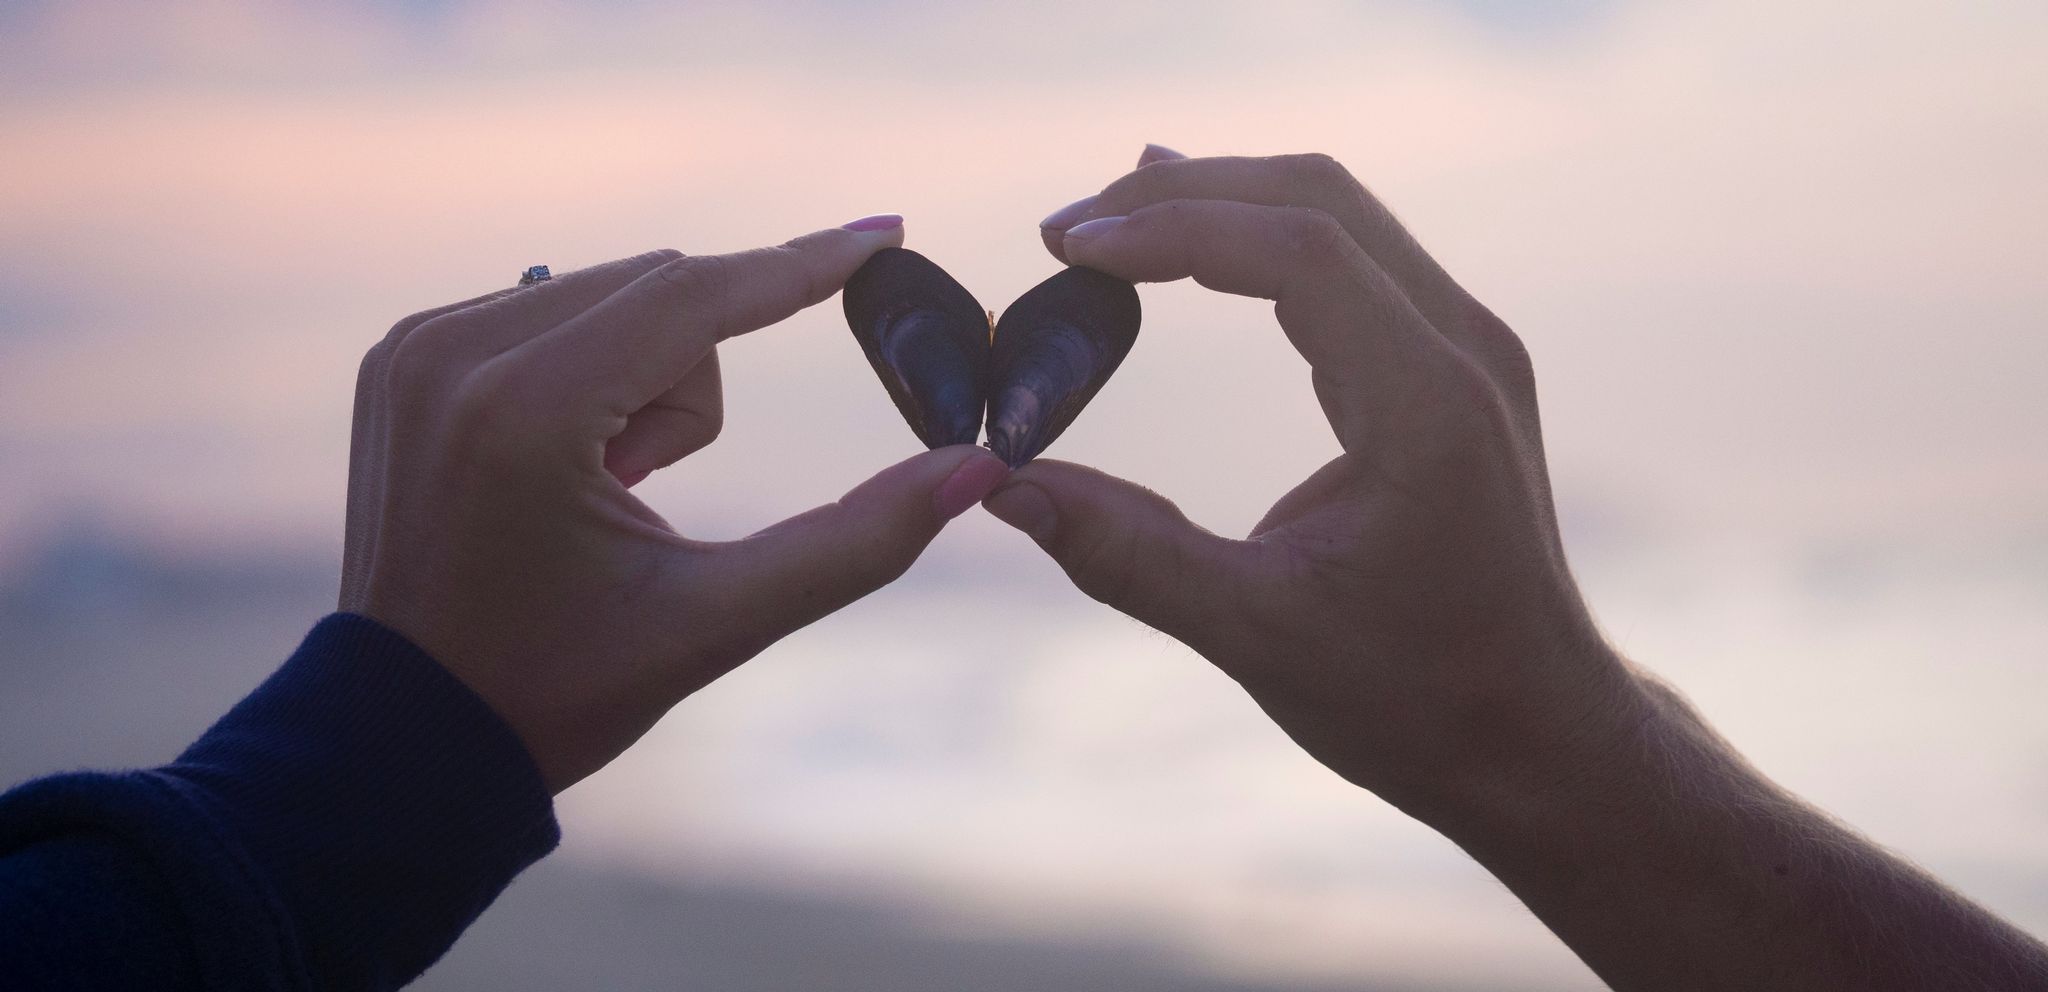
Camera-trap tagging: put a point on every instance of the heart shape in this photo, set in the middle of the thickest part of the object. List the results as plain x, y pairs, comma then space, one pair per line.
948, 366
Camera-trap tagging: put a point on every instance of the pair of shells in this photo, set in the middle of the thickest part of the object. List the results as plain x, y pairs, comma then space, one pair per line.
950, 368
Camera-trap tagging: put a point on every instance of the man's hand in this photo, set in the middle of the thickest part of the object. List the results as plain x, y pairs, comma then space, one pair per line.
489, 519
1406, 615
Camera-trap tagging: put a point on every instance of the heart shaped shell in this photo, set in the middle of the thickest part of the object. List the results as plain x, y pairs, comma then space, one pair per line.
927, 340
1054, 349
931, 345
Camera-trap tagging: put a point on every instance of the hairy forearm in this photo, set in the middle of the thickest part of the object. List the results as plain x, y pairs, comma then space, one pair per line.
1669, 863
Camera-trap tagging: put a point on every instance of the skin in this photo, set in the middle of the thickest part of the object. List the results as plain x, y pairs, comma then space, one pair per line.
489, 517
1405, 613
1407, 616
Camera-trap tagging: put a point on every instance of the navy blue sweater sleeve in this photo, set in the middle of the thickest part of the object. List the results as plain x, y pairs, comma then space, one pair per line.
337, 829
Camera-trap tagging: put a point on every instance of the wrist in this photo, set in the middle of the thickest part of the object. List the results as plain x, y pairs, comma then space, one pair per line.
1637, 764
1548, 757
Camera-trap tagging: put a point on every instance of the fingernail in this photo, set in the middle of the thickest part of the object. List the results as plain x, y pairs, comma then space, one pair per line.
1025, 507
969, 484
1090, 230
1156, 153
874, 222
1061, 219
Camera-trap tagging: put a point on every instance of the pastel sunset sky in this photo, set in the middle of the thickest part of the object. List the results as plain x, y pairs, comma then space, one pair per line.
1783, 269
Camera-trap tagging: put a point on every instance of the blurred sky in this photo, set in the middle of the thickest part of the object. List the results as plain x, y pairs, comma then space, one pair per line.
1783, 269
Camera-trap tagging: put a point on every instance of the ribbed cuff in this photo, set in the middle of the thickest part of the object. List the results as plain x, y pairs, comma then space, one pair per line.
379, 800
226, 913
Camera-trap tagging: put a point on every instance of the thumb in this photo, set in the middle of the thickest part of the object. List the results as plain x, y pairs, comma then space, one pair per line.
809, 565
1123, 544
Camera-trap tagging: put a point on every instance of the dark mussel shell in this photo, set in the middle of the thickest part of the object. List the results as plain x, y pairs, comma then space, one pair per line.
928, 341
1053, 350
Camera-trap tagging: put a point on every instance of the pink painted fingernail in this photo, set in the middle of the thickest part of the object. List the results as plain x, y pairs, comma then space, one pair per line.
874, 222
1090, 230
1064, 217
974, 479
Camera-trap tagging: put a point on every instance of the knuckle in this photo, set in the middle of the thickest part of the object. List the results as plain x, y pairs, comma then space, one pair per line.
879, 556
1486, 411
1318, 171
404, 328
696, 434
818, 285
1312, 235
1150, 184
1133, 567
1511, 354
798, 257
1506, 354
710, 423
375, 360
1105, 569
423, 355
703, 280
629, 267
1317, 167
371, 376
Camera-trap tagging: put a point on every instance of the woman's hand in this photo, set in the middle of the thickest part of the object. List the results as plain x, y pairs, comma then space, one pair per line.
1405, 613
488, 513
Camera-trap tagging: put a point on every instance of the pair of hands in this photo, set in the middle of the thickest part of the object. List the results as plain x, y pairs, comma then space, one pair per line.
1405, 613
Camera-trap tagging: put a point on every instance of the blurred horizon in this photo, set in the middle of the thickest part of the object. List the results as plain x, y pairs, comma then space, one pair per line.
1780, 268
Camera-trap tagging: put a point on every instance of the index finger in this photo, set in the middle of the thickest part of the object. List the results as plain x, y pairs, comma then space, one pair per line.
640, 341
1312, 180
1390, 377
